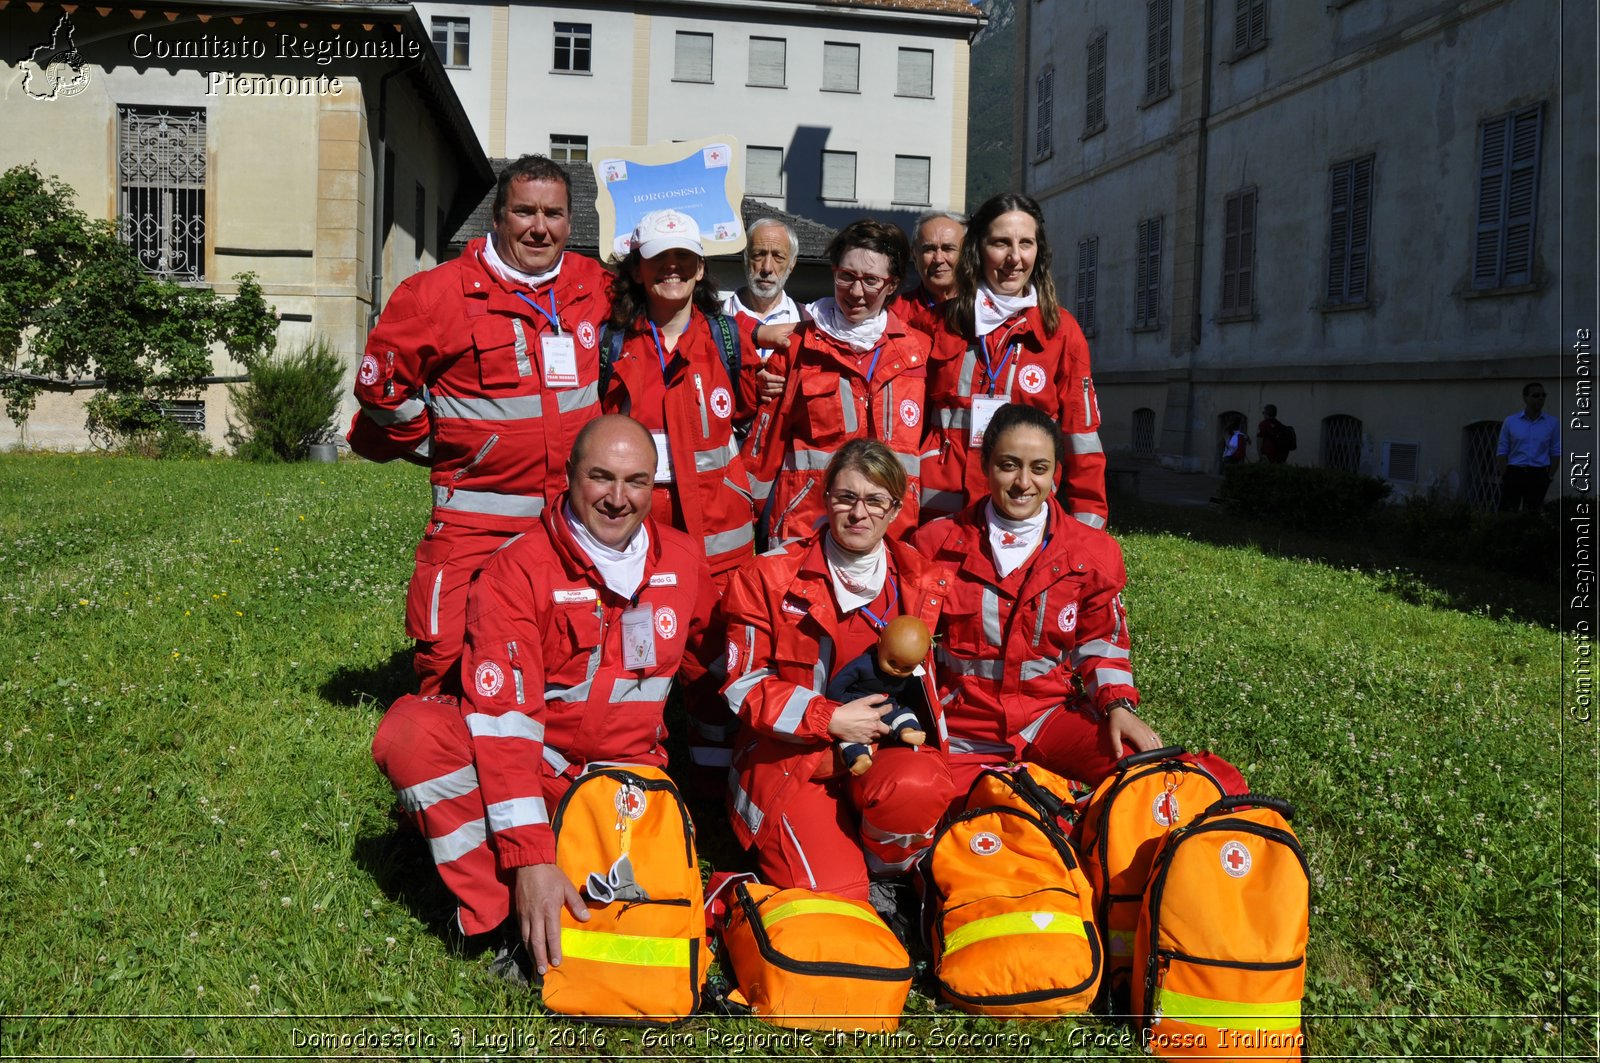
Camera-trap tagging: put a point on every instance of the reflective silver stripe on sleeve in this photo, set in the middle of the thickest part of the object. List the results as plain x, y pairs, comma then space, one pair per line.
423, 449
506, 725
510, 408
962, 666
1038, 621
1039, 666
747, 809
518, 812
433, 605
741, 687
954, 417
423, 795
1121, 614
941, 501
794, 710
1099, 648
408, 410
805, 862
713, 459
1031, 732
806, 460
652, 688
1085, 442
579, 691
847, 405
520, 343
911, 463
969, 366
459, 842
571, 399
1105, 677
888, 410
556, 760
491, 502
1093, 520
723, 542
978, 745
884, 837
879, 866
991, 617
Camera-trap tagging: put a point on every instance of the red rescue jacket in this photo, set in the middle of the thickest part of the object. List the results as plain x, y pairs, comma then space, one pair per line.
546, 686
827, 401
781, 637
1013, 651
453, 378
710, 482
1031, 367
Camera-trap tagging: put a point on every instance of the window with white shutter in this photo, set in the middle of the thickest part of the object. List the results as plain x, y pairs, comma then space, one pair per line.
692, 60
916, 73
838, 175
1238, 256
1508, 194
911, 174
1349, 231
841, 67
763, 171
1088, 266
768, 62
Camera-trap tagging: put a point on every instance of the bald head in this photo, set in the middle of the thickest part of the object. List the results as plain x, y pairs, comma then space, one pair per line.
610, 475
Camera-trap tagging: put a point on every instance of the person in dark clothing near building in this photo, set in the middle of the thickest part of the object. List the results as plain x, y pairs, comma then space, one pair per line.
1526, 457
1272, 437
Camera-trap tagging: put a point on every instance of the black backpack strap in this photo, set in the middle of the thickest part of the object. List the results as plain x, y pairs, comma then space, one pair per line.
728, 341
610, 351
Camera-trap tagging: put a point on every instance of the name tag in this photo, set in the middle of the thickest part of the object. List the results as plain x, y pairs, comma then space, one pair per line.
639, 638
664, 579
983, 410
576, 594
560, 358
663, 458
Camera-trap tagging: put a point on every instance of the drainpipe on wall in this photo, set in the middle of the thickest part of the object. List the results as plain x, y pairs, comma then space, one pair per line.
1202, 134
380, 151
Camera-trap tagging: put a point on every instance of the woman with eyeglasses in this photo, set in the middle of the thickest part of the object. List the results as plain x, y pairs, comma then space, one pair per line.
856, 371
1007, 339
1034, 613
796, 618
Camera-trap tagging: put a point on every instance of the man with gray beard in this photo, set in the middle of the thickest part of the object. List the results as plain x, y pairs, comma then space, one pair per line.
769, 259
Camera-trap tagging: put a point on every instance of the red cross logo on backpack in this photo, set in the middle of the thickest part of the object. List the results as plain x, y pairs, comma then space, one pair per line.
985, 843
1235, 859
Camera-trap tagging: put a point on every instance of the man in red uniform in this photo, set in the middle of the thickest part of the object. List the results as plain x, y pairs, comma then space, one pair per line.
484, 369
574, 634
936, 250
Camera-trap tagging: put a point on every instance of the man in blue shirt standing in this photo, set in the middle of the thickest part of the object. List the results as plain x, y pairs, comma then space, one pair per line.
1529, 449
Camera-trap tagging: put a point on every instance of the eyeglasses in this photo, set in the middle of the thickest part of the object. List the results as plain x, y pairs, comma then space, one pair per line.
877, 505
844, 279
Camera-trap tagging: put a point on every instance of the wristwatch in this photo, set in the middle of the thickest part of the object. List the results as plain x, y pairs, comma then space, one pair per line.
1120, 703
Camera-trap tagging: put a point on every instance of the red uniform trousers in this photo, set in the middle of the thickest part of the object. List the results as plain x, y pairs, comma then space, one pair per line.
818, 845
449, 557
422, 745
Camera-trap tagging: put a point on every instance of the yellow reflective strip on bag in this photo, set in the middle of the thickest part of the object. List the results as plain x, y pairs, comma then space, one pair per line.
1202, 1012
1013, 923
624, 948
816, 907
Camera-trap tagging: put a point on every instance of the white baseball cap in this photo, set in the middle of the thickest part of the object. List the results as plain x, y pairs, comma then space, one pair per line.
663, 230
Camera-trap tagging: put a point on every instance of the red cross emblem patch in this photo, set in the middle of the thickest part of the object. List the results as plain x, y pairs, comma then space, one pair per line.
985, 843
631, 802
721, 402
586, 334
1032, 379
1165, 808
369, 370
666, 622
489, 679
1235, 859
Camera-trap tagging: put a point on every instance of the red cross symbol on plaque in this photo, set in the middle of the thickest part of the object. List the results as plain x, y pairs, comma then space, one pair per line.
1168, 812
1235, 859
631, 803
715, 155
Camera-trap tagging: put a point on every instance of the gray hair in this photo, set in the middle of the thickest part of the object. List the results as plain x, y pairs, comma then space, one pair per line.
761, 223
933, 215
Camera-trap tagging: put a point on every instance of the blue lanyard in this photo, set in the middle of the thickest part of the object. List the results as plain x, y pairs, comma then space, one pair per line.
880, 622
550, 315
661, 353
994, 373
872, 367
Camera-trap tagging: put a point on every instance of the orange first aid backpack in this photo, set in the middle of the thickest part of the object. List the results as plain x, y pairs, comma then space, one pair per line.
624, 838
1220, 948
1012, 917
1028, 787
814, 961
1122, 823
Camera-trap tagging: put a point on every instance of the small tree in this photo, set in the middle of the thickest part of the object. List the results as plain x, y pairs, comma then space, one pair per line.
74, 302
287, 404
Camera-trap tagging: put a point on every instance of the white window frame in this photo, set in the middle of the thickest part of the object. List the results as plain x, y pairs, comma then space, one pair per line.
565, 41
457, 34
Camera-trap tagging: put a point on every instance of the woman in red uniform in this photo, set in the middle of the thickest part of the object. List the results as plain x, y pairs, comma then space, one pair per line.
856, 371
1034, 611
1007, 339
796, 617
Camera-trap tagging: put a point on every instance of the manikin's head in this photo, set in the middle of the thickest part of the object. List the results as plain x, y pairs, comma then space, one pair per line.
902, 646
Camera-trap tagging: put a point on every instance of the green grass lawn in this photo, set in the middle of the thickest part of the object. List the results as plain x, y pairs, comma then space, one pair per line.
197, 855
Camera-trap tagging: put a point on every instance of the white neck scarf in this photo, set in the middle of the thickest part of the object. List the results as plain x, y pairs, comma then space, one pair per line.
492, 259
623, 570
862, 337
993, 309
1013, 541
857, 578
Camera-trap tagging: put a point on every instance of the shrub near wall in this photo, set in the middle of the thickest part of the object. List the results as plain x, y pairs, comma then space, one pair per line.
287, 404
1307, 499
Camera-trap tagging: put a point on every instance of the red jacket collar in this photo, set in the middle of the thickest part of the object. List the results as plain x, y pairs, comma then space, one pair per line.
575, 559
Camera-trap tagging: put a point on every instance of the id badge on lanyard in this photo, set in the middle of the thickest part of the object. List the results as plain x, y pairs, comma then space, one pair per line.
983, 411
639, 638
663, 458
560, 358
